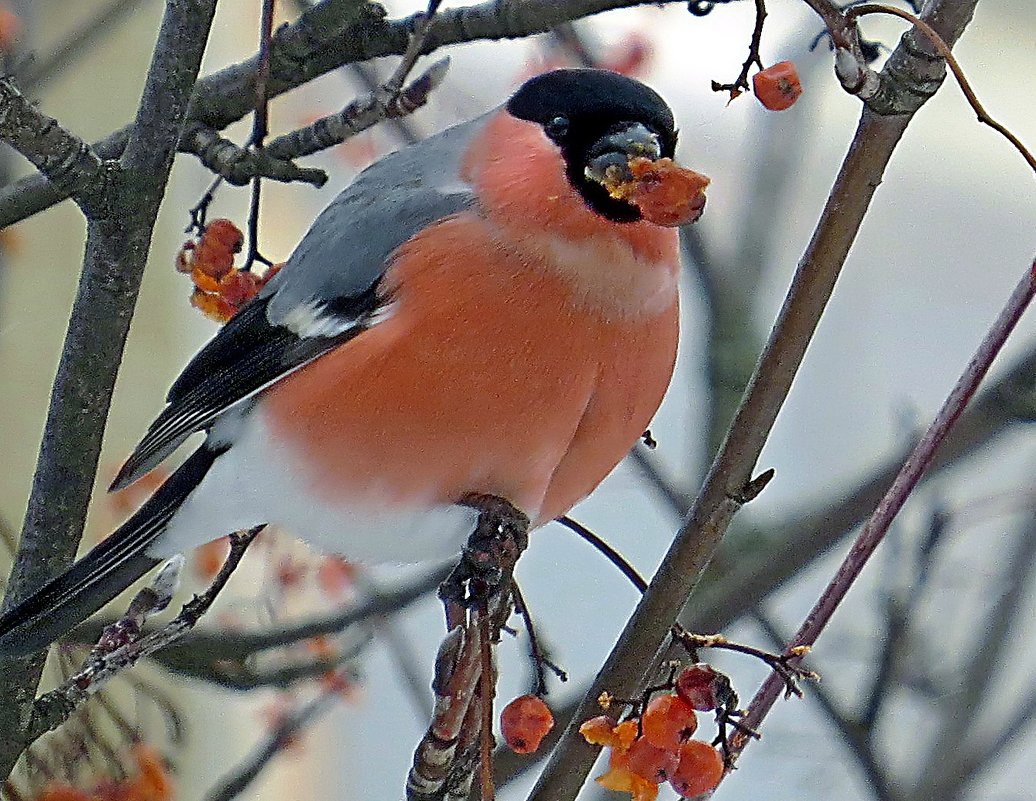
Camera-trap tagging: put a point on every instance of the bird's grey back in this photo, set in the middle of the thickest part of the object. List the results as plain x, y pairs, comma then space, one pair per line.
346, 250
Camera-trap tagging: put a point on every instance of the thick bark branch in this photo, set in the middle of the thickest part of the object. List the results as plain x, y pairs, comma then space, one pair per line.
67, 162
116, 252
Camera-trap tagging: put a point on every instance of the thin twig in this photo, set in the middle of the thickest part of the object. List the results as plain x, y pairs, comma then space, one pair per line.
944, 50
487, 692
607, 551
422, 30
260, 128
53, 708
907, 479
540, 662
359, 115
238, 645
856, 734
740, 83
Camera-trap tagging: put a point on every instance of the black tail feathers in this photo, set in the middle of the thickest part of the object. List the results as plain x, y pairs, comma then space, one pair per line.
107, 570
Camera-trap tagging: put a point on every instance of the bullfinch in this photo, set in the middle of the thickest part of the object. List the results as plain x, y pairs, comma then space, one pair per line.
491, 311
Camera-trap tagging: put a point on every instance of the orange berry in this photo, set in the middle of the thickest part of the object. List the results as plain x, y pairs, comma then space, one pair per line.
668, 722
650, 762
666, 193
699, 770
599, 731
205, 282
525, 722
224, 234
643, 790
777, 86
238, 287
619, 776
625, 733
212, 306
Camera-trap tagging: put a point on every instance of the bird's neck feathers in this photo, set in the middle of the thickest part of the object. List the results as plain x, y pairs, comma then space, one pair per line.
627, 270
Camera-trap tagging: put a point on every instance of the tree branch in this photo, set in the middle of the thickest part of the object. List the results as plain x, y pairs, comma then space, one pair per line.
66, 161
325, 37
116, 251
52, 709
909, 475
716, 504
201, 647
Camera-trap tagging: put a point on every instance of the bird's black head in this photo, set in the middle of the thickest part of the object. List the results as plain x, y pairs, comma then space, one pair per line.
590, 114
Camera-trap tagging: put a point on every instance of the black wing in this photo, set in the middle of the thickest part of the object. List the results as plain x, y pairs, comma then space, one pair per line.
326, 293
247, 355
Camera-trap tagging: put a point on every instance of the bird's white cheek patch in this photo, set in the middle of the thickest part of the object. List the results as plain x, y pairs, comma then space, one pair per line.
258, 481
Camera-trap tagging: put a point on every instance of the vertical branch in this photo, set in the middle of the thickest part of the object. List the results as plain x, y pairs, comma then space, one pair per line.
118, 238
260, 129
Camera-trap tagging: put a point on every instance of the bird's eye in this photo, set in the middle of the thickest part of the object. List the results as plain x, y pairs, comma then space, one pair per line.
557, 128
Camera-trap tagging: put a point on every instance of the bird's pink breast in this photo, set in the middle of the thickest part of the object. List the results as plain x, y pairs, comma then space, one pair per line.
485, 378
529, 344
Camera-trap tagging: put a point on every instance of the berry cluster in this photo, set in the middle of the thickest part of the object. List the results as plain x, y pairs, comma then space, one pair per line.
220, 290
658, 746
151, 782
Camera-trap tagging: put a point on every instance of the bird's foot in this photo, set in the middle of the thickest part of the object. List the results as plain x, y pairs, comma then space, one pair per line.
500, 536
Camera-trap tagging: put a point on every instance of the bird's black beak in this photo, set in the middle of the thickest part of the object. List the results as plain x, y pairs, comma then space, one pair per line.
609, 157
628, 164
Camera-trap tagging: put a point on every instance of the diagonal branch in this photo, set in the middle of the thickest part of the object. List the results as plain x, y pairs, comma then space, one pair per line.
50, 710
65, 160
872, 147
907, 479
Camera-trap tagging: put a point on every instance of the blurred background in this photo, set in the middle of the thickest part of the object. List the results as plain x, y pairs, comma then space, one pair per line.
927, 688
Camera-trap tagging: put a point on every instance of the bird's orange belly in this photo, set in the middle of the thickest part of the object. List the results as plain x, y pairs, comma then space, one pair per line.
485, 378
